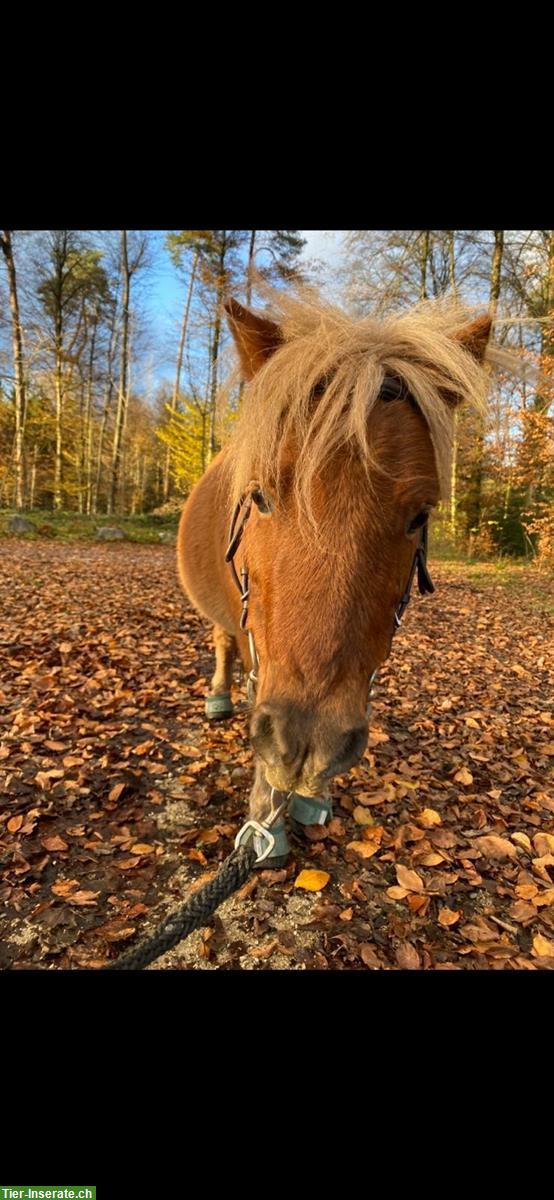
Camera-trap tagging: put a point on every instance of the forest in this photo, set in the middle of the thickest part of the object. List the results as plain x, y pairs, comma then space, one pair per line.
100, 415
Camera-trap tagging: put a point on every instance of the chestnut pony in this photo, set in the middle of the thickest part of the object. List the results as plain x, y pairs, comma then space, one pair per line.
343, 441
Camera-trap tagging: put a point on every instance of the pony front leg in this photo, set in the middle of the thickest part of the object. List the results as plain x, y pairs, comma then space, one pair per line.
218, 703
260, 806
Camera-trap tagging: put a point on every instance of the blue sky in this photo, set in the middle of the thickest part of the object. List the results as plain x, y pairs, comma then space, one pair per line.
164, 297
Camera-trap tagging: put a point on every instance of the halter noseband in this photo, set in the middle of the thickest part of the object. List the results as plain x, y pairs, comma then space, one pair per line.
242, 510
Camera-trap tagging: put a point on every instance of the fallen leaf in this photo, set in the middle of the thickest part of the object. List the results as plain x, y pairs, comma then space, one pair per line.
362, 816
369, 957
544, 843
397, 893
117, 791
464, 776
542, 947
376, 736
428, 817
449, 916
544, 898
526, 890
54, 843
492, 846
142, 848
264, 951
15, 823
364, 849
540, 866
409, 879
83, 898
143, 748
522, 911
312, 881
521, 839
407, 957
432, 859
64, 887
196, 856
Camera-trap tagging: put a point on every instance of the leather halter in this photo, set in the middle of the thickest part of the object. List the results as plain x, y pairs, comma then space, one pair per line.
238, 523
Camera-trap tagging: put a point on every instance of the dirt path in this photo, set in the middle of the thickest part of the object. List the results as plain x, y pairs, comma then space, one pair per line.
117, 796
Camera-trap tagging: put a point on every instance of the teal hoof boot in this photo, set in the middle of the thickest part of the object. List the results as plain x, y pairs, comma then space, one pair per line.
309, 810
280, 852
218, 708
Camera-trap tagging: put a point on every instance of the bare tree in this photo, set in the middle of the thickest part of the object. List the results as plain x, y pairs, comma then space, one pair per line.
129, 266
19, 379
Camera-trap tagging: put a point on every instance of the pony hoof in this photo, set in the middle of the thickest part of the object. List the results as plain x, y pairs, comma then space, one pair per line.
218, 708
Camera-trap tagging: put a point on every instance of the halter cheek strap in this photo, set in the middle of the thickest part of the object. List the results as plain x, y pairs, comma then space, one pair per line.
424, 581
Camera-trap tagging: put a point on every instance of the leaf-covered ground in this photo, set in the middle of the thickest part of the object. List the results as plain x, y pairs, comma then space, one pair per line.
118, 797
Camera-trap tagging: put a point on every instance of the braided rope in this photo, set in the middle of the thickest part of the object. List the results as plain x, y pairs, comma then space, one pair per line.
194, 913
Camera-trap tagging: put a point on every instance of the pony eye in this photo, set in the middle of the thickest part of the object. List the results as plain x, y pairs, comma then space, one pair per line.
262, 502
418, 521
392, 389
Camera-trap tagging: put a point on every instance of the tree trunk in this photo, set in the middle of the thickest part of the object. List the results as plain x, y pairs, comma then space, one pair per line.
496, 270
454, 466
426, 236
33, 479
454, 481
17, 352
59, 412
544, 398
476, 482
215, 348
249, 267
175, 396
105, 413
122, 398
88, 420
452, 262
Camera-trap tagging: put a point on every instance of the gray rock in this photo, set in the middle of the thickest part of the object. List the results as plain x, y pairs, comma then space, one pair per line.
20, 525
167, 536
110, 533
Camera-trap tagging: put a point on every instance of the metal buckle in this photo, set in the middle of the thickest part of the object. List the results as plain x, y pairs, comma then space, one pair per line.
250, 828
262, 828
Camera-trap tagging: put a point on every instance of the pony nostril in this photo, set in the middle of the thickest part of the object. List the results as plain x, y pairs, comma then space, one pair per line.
353, 745
261, 727
289, 756
274, 737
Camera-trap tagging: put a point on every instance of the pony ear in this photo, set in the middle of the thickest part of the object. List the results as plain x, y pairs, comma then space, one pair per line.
256, 338
475, 337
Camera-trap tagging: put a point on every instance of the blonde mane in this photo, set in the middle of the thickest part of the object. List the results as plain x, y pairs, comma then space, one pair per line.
347, 360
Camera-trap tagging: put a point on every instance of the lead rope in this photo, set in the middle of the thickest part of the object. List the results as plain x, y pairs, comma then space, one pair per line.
197, 910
